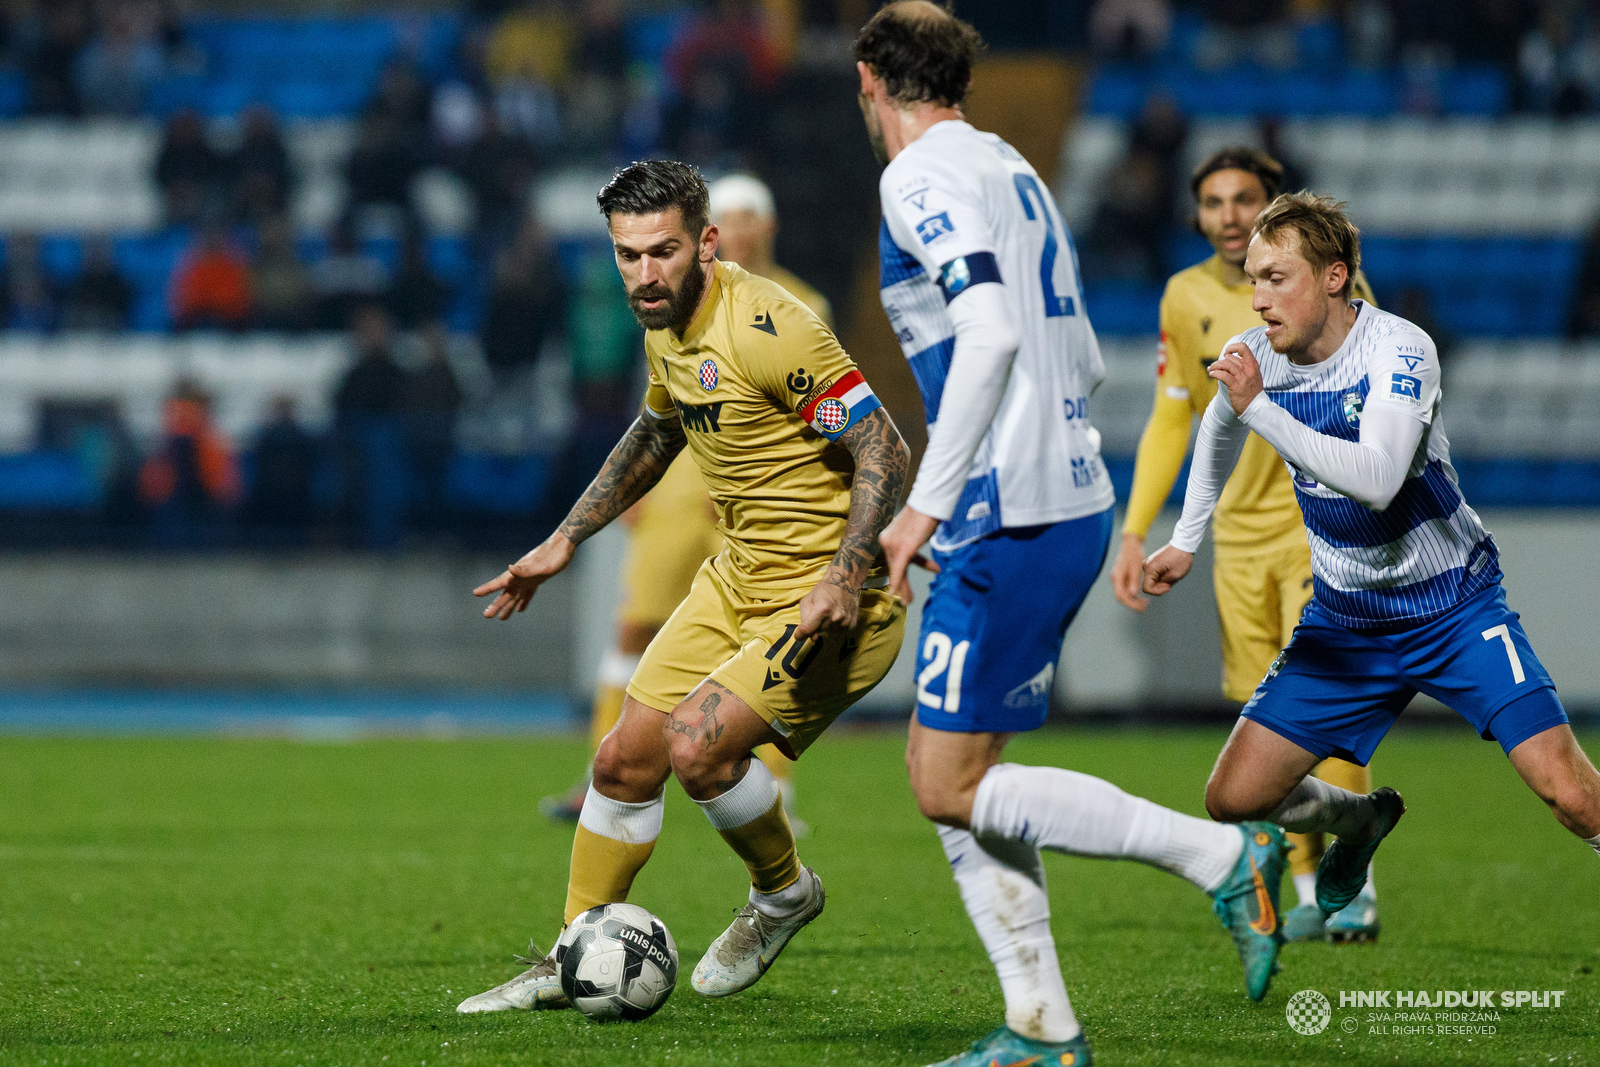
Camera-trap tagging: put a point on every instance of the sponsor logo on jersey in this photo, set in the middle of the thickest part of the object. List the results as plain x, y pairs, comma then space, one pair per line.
955, 276
708, 375
764, 323
702, 417
800, 381
1077, 409
1161, 355
1034, 691
1084, 470
1412, 355
1353, 403
1405, 387
1205, 325
934, 227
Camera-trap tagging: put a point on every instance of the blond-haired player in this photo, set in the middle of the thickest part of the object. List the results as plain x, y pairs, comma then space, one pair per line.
1262, 571
674, 528
784, 629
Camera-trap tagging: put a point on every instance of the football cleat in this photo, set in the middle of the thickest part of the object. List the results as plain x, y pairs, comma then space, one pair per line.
1247, 904
535, 988
738, 958
568, 806
1357, 921
1343, 870
1305, 922
1007, 1048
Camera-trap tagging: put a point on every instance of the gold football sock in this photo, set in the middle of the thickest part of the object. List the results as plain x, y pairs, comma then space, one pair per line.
1345, 775
781, 766
1305, 852
607, 709
750, 819
613, 842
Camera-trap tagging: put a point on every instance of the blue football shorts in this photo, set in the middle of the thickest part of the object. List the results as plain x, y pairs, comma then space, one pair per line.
1336, 691
995, 619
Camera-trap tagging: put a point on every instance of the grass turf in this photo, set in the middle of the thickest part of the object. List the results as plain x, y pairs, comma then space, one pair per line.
268, 902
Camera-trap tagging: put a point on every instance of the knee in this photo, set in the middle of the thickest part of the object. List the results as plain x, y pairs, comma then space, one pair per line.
1224, 804
942, 798
624, 775
695, 767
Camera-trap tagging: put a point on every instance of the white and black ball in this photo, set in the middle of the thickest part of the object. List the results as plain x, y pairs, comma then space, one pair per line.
617, 962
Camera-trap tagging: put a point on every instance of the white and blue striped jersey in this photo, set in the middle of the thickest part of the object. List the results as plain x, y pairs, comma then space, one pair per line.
960, 208
1427, 551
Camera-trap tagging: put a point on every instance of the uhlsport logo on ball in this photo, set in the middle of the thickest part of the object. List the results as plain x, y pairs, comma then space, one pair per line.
1309, 1012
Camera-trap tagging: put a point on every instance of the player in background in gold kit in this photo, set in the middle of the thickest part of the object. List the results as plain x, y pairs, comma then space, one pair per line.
674, 528
1262, 572
784, 629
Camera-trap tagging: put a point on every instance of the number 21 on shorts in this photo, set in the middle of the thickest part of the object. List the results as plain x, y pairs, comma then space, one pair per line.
942, 657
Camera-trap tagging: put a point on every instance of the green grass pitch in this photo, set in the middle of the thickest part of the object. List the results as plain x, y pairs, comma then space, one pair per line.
210, 901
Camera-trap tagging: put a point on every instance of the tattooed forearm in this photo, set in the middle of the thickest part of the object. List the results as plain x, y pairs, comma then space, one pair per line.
882, 460
632, 469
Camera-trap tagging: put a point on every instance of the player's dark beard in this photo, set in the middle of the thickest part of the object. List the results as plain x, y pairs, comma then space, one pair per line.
679, 308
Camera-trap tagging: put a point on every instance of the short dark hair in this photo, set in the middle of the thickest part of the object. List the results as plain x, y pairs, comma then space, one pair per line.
655, 185
920, 56
1241, 157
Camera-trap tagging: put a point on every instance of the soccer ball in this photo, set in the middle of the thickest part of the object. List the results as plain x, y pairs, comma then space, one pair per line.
617, 961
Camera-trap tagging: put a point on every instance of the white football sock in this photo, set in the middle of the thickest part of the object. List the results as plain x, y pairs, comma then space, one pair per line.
635, 824
1306, 886
1593, 842
1369, 890
1002, 885
1065, 811
752, 798
1314, 806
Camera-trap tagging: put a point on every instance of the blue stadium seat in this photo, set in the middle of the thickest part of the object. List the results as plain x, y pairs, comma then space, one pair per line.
501, 485
46, 481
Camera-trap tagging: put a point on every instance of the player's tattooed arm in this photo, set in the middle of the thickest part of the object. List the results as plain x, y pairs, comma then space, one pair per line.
635, 465
882, 460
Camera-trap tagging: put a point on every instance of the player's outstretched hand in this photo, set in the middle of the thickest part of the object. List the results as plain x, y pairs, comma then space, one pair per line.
830, 606
518, 582
902, 541
1238, 370
1166, 569
1127, 573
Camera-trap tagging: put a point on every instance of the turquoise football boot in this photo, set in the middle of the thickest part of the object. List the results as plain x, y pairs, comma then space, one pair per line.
1247, 903
1356, 922
1305, 922
1007, 1048
1343, 870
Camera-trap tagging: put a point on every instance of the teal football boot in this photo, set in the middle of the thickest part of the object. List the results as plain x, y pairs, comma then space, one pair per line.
1343, 870
1305, 922
1007, 1048
1247, 903
1358, 921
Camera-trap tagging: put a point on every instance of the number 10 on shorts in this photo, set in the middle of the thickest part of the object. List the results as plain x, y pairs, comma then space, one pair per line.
942, 657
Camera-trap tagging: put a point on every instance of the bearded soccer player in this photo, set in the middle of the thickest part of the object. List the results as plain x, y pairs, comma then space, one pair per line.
1407, 595
1262, 572
980, 284
784, 629
674, 528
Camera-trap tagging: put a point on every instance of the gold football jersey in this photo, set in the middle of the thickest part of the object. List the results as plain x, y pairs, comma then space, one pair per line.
763, 389
1200, 311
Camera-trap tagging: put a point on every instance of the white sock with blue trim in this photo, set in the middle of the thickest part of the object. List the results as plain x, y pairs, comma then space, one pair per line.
1002, 885
1081, 815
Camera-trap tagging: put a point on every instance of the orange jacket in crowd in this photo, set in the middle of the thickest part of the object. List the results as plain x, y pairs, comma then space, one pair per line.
217, 470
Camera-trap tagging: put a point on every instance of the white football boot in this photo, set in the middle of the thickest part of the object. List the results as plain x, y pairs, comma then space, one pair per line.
537, 987
747, 948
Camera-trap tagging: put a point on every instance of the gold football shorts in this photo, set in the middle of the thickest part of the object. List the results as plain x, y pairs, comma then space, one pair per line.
743, 639
1259, 600
675, 533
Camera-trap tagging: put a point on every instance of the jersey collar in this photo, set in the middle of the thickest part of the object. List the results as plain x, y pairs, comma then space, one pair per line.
702, 318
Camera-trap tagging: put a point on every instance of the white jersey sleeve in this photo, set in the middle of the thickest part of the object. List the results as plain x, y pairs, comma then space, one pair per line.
955, 245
